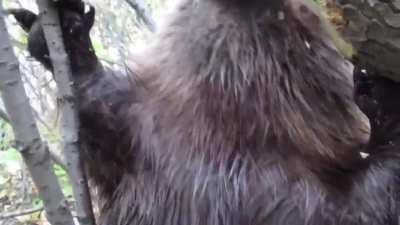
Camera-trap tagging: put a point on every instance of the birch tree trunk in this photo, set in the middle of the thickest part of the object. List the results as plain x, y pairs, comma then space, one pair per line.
67, 104
33, 150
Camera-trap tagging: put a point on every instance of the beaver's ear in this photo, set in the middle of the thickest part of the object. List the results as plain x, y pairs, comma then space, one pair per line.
24, 17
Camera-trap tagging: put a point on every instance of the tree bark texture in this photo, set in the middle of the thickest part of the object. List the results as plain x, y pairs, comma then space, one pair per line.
373, 27
67, 104
34, 151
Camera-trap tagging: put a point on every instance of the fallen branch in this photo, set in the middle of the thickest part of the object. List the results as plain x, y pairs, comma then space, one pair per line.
20, 213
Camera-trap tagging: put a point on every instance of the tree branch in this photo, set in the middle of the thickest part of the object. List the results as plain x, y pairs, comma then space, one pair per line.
58, 159
34, 152
20, 213
54, 155
69, 120
4, 116
143, 13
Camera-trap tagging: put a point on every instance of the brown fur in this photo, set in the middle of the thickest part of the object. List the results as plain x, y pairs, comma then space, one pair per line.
230, 118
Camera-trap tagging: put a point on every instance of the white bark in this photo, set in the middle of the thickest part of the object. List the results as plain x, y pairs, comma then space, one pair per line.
34, 152
67, 104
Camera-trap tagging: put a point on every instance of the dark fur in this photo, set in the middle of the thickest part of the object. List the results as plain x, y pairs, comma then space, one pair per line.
378, 98
75, 24
230, 119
